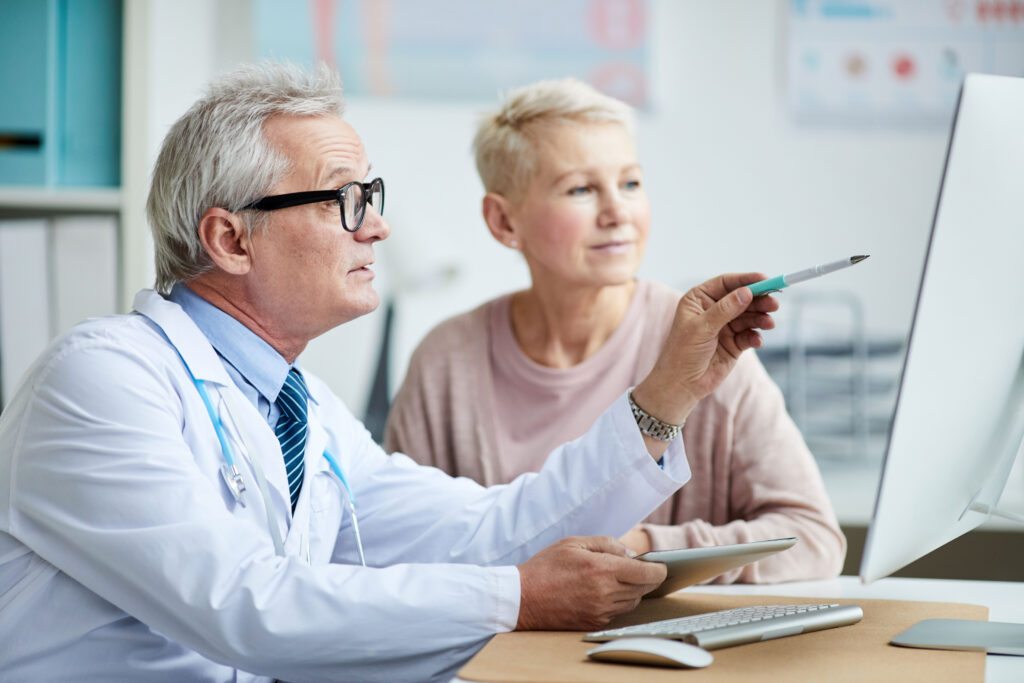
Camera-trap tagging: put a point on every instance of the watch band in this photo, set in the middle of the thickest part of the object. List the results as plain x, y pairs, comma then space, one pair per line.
652, 426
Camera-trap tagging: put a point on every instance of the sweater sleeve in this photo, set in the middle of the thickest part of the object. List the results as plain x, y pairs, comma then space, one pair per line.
773, 488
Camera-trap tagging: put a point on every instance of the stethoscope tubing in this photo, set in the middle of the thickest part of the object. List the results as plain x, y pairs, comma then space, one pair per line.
236, 483
218, 427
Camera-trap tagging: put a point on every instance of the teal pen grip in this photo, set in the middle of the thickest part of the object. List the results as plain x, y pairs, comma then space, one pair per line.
770, 285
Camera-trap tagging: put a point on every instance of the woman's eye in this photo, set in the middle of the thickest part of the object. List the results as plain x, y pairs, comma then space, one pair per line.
579, 191
632, 185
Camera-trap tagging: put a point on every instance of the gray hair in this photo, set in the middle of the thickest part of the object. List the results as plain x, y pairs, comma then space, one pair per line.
506, 140
217, 156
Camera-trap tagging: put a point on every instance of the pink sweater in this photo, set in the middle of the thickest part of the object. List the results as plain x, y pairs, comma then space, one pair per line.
475, 405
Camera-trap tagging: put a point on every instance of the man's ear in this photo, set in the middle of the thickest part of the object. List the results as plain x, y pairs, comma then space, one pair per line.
226, 241
496, 213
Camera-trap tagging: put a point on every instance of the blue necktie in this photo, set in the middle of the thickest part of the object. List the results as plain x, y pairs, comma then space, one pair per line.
291, 430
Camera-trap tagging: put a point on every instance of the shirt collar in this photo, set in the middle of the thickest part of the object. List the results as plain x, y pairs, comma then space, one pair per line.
252, 357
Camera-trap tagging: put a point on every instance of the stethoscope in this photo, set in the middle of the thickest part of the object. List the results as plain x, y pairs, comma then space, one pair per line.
236, 484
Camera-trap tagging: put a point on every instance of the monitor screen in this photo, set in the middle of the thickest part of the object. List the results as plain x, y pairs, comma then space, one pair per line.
958, 424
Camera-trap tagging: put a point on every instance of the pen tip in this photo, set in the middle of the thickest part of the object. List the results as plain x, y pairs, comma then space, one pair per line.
858, 259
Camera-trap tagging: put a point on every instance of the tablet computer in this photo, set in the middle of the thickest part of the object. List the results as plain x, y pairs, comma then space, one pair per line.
689, 566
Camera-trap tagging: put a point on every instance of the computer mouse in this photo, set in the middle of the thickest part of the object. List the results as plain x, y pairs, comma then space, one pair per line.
653, 652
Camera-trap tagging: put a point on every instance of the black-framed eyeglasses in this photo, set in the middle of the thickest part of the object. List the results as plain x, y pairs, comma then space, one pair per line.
351, 197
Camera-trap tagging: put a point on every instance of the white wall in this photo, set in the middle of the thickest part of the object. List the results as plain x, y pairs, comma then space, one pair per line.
733, 184
736, 186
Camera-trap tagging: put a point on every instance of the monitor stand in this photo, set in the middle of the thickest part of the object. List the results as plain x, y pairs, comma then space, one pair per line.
995, 512
993, 637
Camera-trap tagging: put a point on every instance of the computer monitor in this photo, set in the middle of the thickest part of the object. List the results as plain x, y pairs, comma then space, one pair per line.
958, 424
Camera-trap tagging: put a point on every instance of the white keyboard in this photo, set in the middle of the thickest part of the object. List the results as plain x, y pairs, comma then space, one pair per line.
740, 625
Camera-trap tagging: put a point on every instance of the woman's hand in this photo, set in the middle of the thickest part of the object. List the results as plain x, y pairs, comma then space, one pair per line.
637, 540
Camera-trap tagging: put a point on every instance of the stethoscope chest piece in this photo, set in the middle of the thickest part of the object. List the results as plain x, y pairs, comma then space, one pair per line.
234, 481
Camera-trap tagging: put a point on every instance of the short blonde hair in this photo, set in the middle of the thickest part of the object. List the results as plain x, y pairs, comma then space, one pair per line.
505, 144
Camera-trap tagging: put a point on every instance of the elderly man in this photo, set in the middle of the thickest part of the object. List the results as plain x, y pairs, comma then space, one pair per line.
179, 500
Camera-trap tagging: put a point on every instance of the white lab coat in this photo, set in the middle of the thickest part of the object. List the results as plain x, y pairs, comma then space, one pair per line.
123, 555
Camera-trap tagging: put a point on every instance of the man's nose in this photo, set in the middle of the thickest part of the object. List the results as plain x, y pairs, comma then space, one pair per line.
374, 227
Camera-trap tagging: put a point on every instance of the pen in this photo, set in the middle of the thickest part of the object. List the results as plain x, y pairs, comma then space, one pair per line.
779, 281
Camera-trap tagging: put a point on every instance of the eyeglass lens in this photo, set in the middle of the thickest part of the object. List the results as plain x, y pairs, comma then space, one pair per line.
353, 202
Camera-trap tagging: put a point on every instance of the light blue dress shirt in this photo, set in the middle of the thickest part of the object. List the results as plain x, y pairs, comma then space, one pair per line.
254, 365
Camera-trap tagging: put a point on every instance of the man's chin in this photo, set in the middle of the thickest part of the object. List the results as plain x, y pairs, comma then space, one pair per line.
367, 304
372, 301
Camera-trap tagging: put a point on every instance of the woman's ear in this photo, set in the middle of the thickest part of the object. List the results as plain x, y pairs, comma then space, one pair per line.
496, 213
226, 240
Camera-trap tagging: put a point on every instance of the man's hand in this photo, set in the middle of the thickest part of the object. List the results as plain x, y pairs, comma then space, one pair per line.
715, 322
581, 582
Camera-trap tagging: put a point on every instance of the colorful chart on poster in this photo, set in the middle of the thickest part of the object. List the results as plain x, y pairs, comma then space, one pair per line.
462, 49
895, 61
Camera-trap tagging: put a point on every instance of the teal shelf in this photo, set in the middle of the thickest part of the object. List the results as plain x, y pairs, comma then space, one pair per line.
60, 75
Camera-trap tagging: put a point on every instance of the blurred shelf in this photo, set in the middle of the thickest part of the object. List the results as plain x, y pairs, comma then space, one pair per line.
36, 200
835, 349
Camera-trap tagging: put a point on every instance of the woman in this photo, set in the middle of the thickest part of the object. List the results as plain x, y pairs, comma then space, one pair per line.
490, 392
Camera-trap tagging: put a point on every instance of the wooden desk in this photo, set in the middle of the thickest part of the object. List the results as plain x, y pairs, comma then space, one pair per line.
1005, 602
